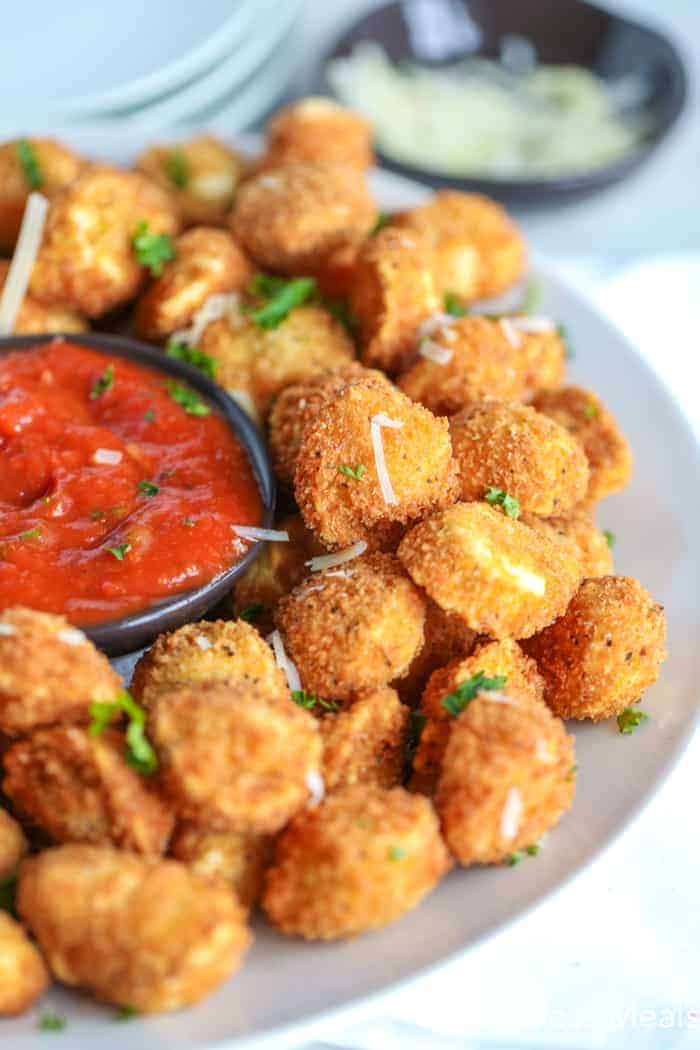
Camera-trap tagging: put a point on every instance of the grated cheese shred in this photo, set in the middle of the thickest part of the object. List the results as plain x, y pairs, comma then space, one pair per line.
329, 561
376, 424
20, 272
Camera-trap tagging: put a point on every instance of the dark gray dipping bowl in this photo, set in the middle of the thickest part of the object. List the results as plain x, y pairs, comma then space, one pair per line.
133, 632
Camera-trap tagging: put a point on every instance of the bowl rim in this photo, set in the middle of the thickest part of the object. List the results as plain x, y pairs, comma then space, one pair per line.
131, 632
532, 189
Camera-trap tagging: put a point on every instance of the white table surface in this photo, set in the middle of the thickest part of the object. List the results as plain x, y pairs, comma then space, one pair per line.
613, 960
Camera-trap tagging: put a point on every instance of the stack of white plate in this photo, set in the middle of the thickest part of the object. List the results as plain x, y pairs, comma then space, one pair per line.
147, 66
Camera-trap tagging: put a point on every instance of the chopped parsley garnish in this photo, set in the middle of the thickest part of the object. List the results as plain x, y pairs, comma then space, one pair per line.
282, 297
532, 297
630, 718
8, 892
139, 752
31, 534
416, 725
26, 155
453, 306
383, 219
530, 851
609, 537
191, 402
97, 515
147, 488
126, 1013
177, 168
309, 701
455, 702
152, 250
339, 309
356, 474
51, 1023
119, 551
150, 416
188, 523
103, 384
252, 611
397, 853
563, 335
572, 772
590, 411
191, 356
498, 498
533, 850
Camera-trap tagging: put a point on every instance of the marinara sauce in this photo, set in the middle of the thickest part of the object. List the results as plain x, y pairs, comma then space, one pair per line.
119, 486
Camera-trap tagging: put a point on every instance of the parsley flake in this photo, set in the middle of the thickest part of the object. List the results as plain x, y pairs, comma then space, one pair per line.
509, 504
564, 336
152, 250
342, 312
147, 488
8, 892
308, 701
397, 853
630, 718
532, 297
103, 384
453, 306
97, 515
191, 356
251, 612
454, 703
191, 402
590, 411
188, 523
356, 474
139, 752
126, 1013
383, 219
51, 1023
119, 551
26, 155
31, 534
282, 297
416, 725
177, 168
609, 537
514, 858
150, 416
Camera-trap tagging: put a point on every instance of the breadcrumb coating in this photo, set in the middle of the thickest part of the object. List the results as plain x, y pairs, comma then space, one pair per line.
446, 637
353, 628
606, 649
34, 318
503, 578
138, 932
365, 742
357, 862
58, 167
238, 858
317, 130
23, 975
579, 534
13, 844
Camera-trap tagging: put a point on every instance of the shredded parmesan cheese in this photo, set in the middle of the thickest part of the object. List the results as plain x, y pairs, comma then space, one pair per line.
284, 663
534, 325
497, 698
512, 814
329, 561
376, 424
202, 643
7, 629
434, 324
510, 332
107, 456
316, 786
251, 532
71, 636
544, 752
20, 272
212, 309
432, 351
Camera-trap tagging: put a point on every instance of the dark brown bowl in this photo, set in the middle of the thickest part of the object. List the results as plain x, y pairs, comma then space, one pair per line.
138, 629
562, 31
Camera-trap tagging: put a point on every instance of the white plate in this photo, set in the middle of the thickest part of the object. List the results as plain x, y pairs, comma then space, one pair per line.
287, 989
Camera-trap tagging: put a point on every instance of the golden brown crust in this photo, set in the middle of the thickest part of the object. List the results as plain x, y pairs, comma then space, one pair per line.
34, 318
608, 453
353, 628
208, 651
58, 167
23, 975
309, 210
49, 672
484, 364
602, 654
210, 170
507, 778
317, 130
519, 451
134, 931
207, 262
78, 788
233, 758
238, 858
13, 844
364, 857
502, 577
579, 534
342, 510
365, 742
86, 260
446, 637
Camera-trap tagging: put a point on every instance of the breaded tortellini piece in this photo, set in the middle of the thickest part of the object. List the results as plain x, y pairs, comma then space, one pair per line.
503, 578
49, 672
138, 932
201, 175
23, 974
607, 450
79, 788
579, 533
317, 130
87, 259
357, 862
290, 219
207, 651
233, 758
207, 262
391, 295
353, 628
472, 358
238, 858
513, 448
30, 164
369, 433
507, 777
478, 252
446, 637
364, 743
607, 648
34, 318
13, 845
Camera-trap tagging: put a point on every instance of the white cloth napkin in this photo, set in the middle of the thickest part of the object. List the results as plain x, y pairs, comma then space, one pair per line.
611, 962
